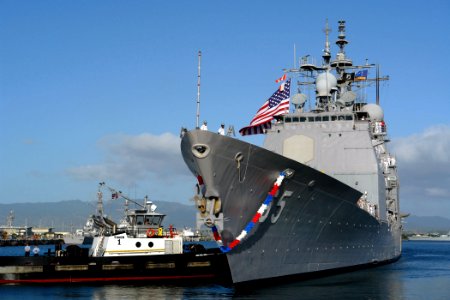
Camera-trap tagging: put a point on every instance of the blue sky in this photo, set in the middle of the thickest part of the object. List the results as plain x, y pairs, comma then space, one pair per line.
98, 90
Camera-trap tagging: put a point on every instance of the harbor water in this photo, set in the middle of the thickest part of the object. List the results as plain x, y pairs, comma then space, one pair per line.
423, 272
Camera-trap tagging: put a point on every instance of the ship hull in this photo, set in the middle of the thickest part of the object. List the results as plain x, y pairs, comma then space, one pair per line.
312, 225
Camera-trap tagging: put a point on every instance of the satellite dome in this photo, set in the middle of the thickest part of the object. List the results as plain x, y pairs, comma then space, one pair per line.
324, 83
374, 111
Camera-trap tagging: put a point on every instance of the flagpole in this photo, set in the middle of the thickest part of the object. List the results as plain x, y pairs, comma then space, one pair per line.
198, 89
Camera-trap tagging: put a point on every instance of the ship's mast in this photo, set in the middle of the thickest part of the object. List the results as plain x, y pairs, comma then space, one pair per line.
341, 59
10, 219
326, 51
100, 200
341, 42
198, 89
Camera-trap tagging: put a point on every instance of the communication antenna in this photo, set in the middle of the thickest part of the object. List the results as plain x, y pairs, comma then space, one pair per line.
198, 89
378, 85
326, 52
295, 58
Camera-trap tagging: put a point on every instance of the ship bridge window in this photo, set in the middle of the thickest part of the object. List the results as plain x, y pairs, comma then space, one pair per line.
318, 119
360, 115
139, 220
295, 119
333, 118
153, 220
310, 119
287, 119
302, 119
349, 117
326, 118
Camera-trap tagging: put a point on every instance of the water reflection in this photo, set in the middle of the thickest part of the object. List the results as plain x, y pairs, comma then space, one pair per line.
423, 272
166, 292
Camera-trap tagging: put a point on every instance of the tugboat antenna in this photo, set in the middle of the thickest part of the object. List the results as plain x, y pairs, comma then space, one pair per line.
198, 89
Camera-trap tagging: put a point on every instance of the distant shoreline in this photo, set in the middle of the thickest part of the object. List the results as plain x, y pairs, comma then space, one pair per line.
429, 239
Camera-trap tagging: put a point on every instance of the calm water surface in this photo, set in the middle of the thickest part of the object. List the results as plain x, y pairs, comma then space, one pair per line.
423, 272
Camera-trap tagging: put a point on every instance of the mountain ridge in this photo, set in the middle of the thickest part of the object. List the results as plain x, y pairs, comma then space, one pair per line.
69, 215
55, 214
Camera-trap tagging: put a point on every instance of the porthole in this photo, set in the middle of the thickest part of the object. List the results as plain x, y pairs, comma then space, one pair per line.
150, 244
138, 244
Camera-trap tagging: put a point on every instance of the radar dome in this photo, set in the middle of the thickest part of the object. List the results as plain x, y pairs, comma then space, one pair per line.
374, 111
324, 83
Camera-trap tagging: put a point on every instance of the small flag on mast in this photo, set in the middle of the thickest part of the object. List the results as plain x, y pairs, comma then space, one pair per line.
276, 105
361, 75
282, 78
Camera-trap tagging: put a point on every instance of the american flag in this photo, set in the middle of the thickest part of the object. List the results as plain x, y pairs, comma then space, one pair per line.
277, 104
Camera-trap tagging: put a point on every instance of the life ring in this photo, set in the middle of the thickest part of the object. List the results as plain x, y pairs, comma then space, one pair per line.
150, 232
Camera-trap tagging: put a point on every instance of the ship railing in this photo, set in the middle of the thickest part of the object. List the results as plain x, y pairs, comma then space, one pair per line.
378, 128
309, 118
372, 209
151, 231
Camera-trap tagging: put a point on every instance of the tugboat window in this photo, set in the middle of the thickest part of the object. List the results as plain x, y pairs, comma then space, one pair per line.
156, 220
139, 220
318, 119
295, 119
310, 119
302, 119
326, 118
287, 120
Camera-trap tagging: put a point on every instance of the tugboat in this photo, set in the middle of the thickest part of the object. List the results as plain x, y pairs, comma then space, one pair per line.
322, 194
139, 249
140, 233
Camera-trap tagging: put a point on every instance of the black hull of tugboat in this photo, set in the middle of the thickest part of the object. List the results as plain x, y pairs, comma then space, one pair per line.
176, 268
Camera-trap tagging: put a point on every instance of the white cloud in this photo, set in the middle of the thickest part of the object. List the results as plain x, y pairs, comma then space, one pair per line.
132, 159
424, 169
437, 192
430, 147
156, 161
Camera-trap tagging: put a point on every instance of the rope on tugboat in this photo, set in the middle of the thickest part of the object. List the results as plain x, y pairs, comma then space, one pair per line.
262, 209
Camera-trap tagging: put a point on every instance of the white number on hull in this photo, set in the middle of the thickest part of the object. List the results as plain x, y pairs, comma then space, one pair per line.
280, 206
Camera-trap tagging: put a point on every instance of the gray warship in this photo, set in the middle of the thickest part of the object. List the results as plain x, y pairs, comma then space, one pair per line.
321, 195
